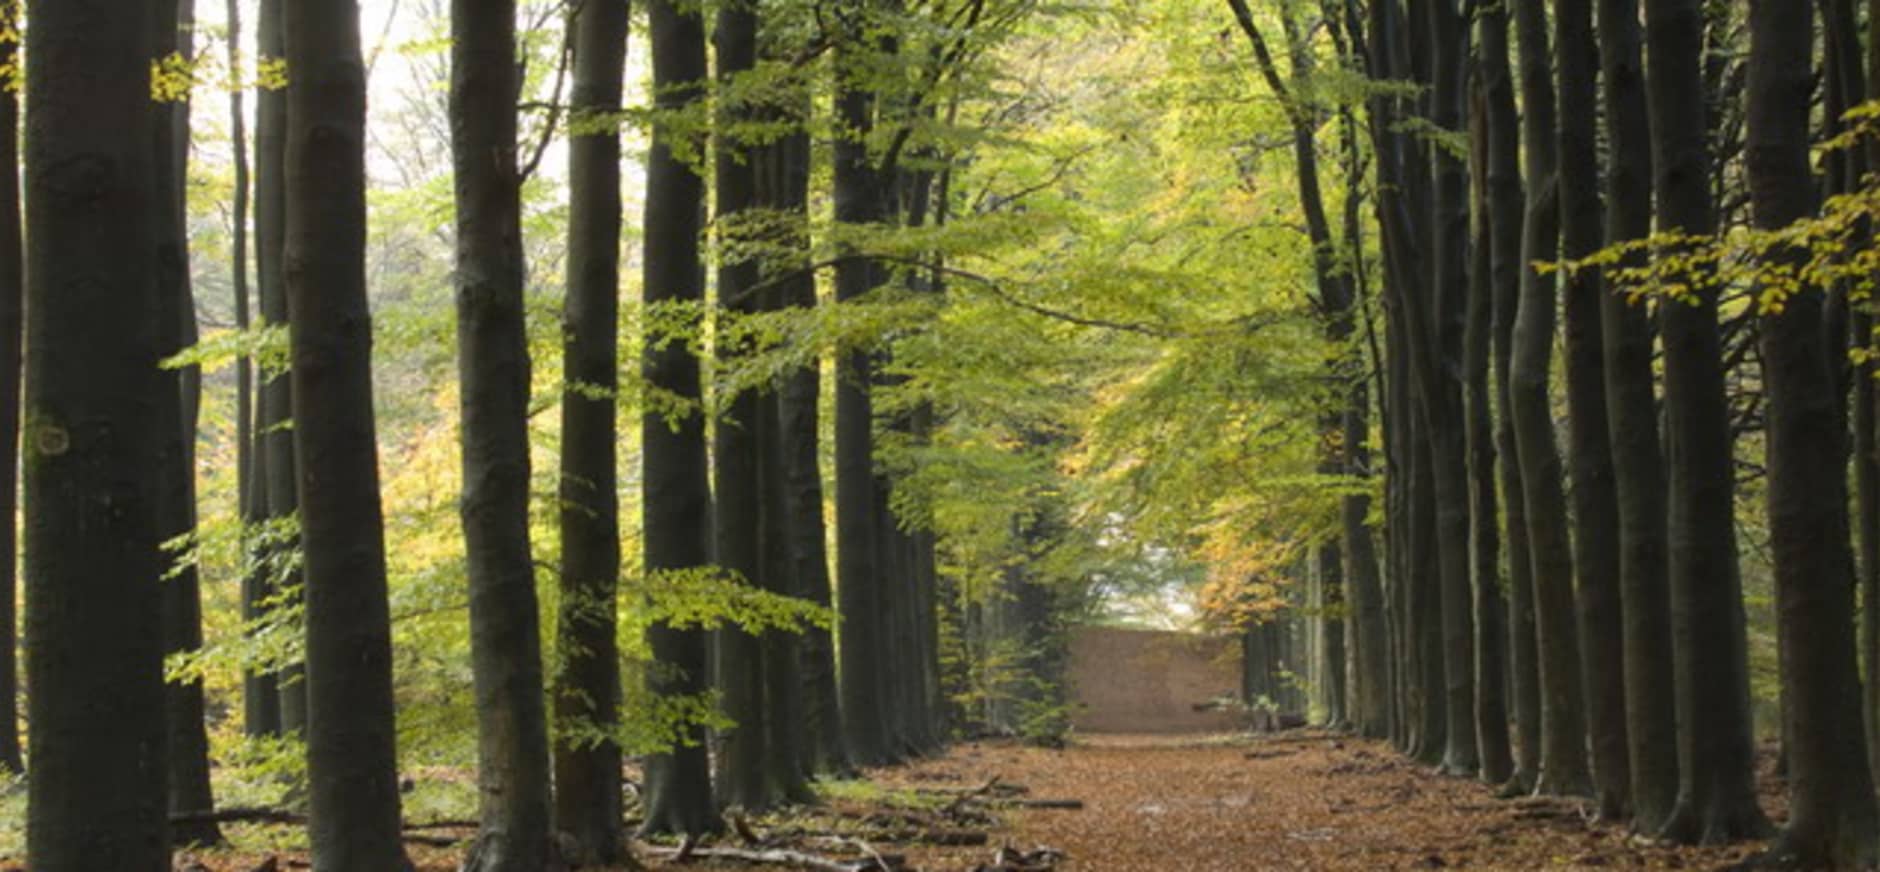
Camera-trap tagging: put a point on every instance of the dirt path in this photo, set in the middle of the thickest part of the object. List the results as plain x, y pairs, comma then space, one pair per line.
1289, 802
1300, 800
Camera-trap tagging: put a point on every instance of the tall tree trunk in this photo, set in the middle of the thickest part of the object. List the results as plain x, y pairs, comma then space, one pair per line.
801, 433
1632, 422
352, 760
1491, 610
1867, 460
275, 429
741, 779
1441, 311
177, 402
1832, 819
675, 492
1563, 725
493, 372
1589, 445
12, 292
1716, 791
96, 798
587, 684
261, 700
862, 609
1505, 204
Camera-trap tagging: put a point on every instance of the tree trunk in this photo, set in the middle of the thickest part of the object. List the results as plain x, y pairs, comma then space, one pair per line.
1504, 207
274, 428
801, 433
675, 492
1443, 320
352, 760
178, 398
1589, 446
1491, 611
1716, 792
862, 609
1832, 818
587, 685
1563, 726
261, 699
12, 291
1632, 422
737, 440
1867, 465
493, 372
96, 798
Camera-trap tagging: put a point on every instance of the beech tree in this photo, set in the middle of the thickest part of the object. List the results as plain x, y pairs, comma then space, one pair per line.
96, 791
1716, 795
1632, 419
493, 376
12, 294
675, 492
177, 407
587, 686
1832, 818
352, 760
1563, 764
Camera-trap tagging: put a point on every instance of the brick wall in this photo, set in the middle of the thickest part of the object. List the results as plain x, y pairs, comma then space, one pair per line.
1149, 681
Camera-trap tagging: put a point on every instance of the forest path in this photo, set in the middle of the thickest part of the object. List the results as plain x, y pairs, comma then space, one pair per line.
1302, 800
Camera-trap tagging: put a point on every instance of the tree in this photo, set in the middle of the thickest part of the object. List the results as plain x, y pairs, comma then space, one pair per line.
1716, 794
676, 494
261, 699
493, 377
274, 428
587, 686
738, 438
1491, 611
177, 404
1563, 724
96, 795
1589, 446
1506, 201
861, 607
352, 760
12, 292
1632, 419
1832, 822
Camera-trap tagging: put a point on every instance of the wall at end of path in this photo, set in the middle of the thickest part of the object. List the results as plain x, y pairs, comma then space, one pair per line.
1152, 681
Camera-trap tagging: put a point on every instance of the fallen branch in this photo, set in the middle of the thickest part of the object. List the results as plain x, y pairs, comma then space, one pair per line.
265, 815
792, 859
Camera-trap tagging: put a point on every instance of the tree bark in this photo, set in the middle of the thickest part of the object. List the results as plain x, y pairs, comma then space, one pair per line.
1632, 422
12, 294
675, 492
1589, 446
261, 698
96, 798
1491, 610
742, 779
801, 433
1563, 724
1832, 818
493, 373
352, 760
274, 428
1504, 206
1716, 793
587, 691
862, 609
178, 400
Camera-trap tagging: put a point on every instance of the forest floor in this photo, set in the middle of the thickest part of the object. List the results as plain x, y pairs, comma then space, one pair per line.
1297, 800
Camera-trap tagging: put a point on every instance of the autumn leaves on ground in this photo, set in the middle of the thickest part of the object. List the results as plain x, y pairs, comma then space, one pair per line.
1299, 800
